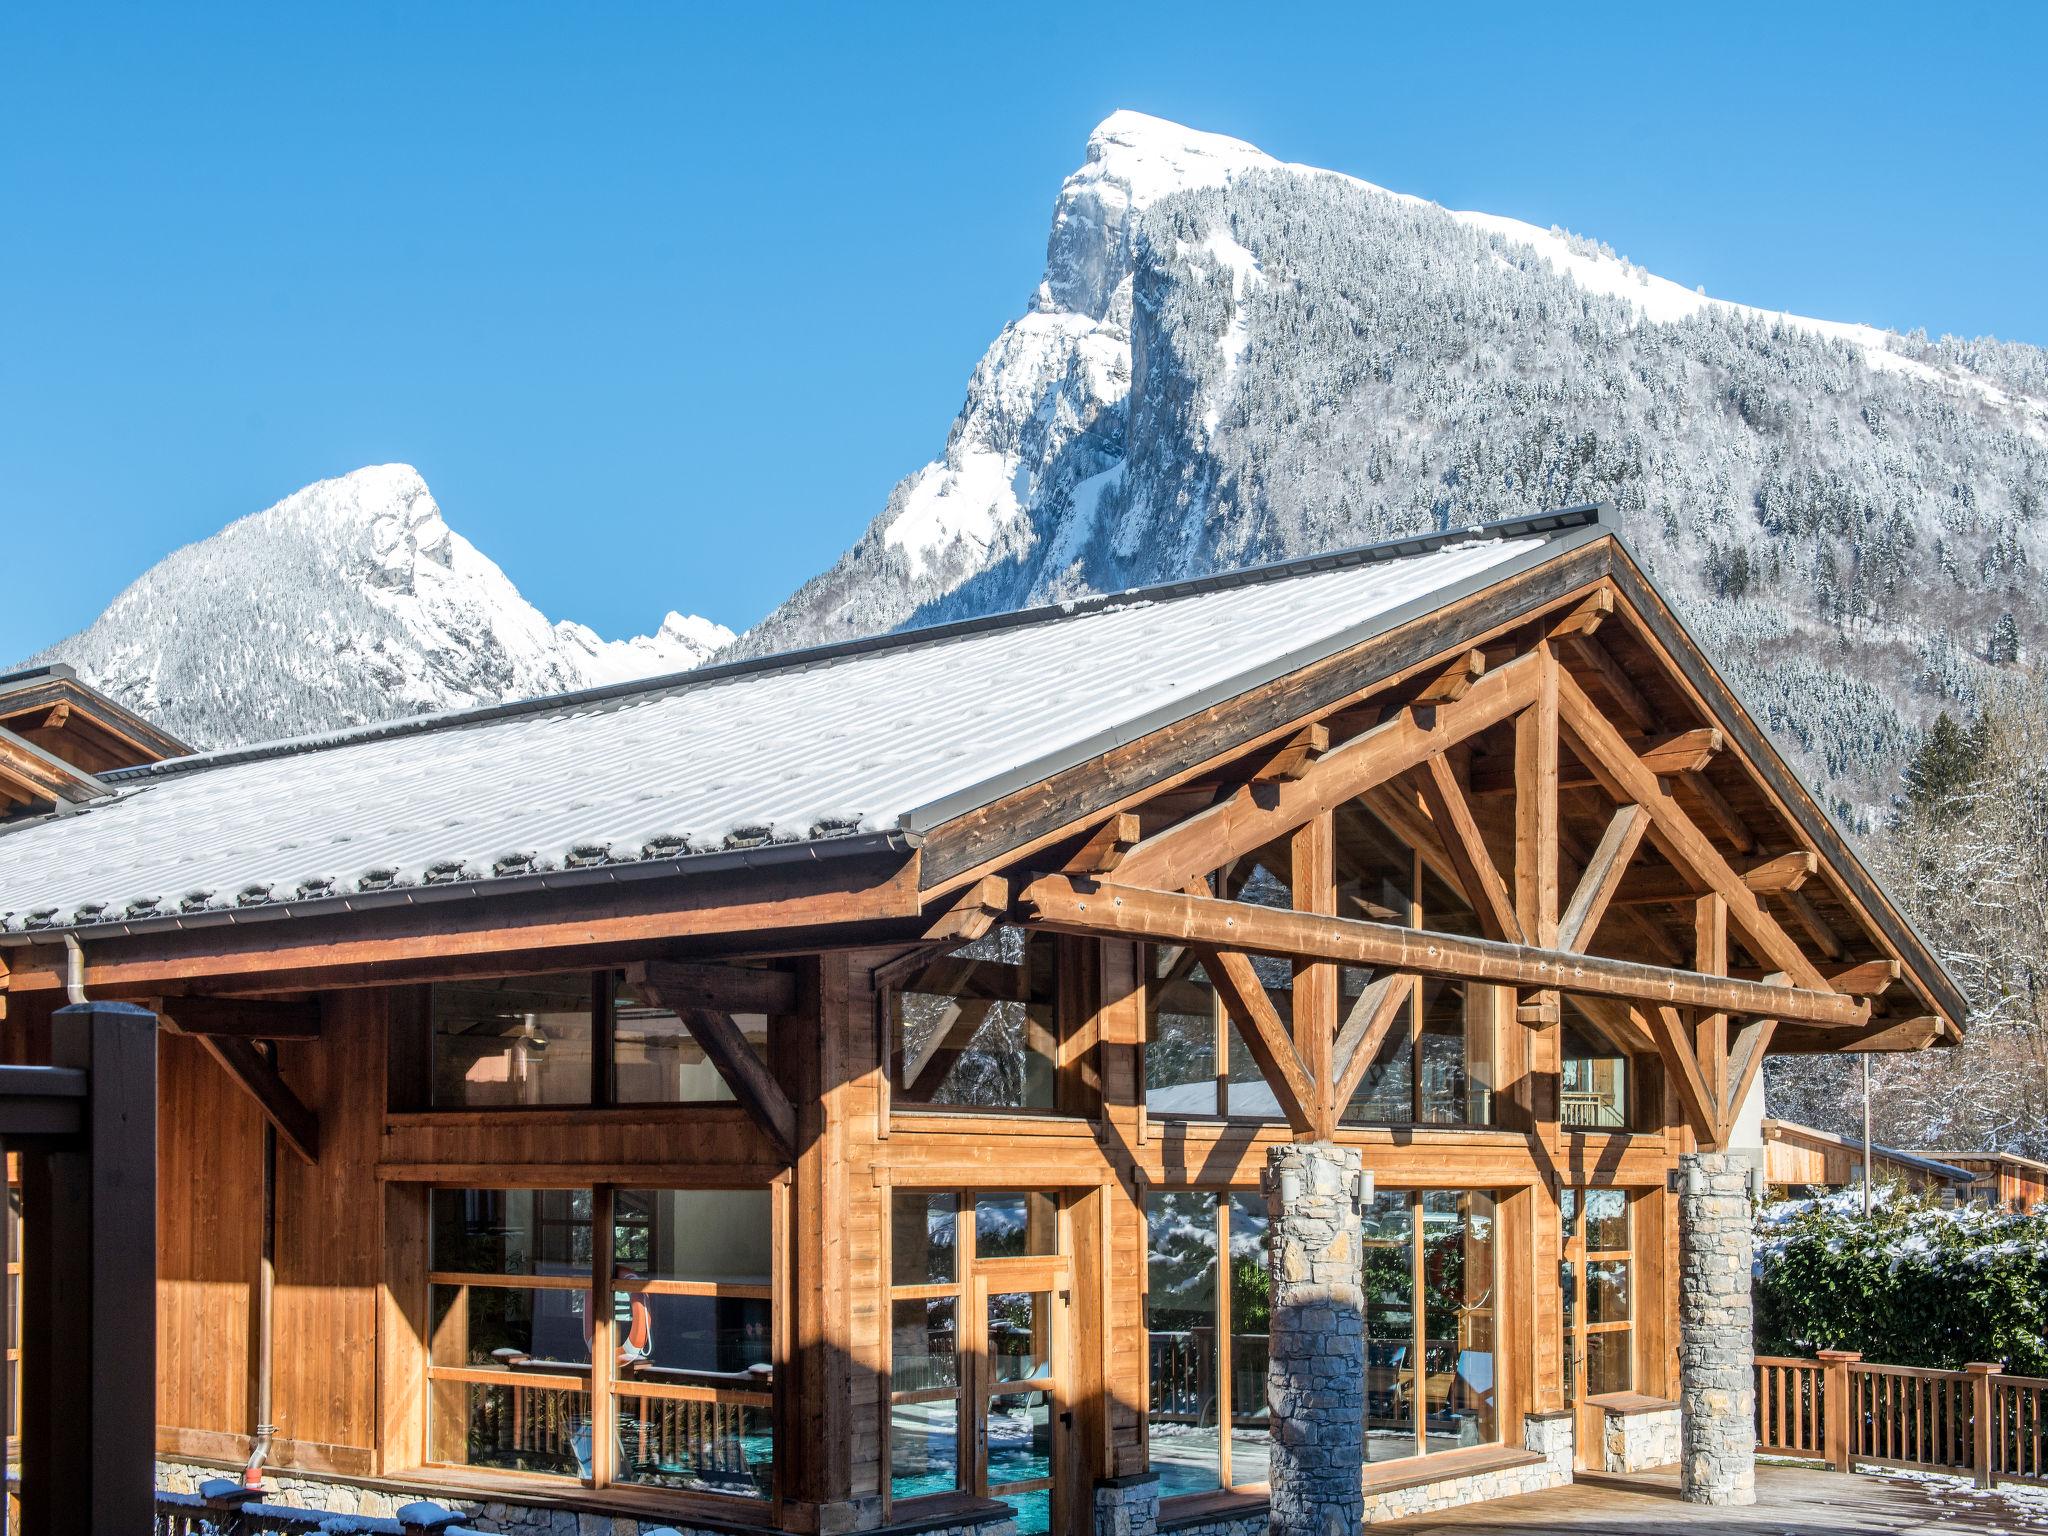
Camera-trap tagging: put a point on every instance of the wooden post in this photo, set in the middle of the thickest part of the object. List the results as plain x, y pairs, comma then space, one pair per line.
89, 1293
1983, 1430
1836, 1406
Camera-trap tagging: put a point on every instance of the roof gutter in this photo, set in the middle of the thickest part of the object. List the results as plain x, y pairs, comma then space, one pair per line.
766, 856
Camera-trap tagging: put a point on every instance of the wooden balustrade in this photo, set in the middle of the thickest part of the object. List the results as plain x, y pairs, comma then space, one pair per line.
1840, 1409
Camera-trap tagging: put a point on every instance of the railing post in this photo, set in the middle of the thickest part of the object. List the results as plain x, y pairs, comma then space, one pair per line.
1836, 1406
1982, 1429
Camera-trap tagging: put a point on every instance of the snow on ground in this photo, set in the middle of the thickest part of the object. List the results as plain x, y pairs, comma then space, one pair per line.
969, 498
2025, 1506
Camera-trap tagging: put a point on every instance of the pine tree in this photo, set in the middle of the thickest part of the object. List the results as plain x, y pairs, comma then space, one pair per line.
1946, 764
2005, 640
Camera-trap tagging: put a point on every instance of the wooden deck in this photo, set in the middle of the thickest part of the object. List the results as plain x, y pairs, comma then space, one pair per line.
1791, 1501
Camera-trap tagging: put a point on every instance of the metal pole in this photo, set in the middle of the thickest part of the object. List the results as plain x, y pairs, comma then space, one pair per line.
1866, 1134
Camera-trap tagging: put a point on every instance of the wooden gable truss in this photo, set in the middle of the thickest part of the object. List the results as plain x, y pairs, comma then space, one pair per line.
1535, 777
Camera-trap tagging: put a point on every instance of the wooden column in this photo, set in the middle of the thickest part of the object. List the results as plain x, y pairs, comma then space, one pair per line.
1314, 880
1536, 1030
828, 1447
1114, 1440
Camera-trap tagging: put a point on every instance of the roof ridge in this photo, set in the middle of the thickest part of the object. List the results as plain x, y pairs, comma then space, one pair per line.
1559, 520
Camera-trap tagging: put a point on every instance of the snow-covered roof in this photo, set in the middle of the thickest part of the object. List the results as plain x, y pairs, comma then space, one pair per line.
888, 737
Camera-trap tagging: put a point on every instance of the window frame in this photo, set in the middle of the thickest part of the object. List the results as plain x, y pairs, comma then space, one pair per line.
601, 1388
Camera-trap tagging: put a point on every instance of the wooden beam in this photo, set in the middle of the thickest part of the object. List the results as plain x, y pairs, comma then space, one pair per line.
1054, 901
1913, 1034
1623, 1023
1745, 1060
1291, 759
297, 1126
1598, 660
722, 1040
1677, 837
723, 988
1781, 872
1772, 873
1313, 878
1258, 813
1719, 811
1710, 1029
1604, 871
976, 910
1818, 928
1662, 755
1466, 848
1377, 1009
1454, 682
1873, 978
241, 1017
1682, 1070
1262, 1031
1587, 617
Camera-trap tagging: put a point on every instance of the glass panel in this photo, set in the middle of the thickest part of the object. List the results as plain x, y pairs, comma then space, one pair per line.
1020, 1448
715, 1447
516, 1040
1457, 1054
1386, 1094
1180, 1036
1251, 1322
922, 1237
489, 1327
1015, 1226
1020, 1335
717, 1236
1608, 1367
511, 1231
1607, 1298
655, 1059
1595, 1079
1606, 1221
1181, 1317
1445, 909
695, 1341
924, 1344
1458, 1280
1390, 1386
924, 1448
514, 1426
979, 1027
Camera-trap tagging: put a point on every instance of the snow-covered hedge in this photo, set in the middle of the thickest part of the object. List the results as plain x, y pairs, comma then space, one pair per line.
1912, 1285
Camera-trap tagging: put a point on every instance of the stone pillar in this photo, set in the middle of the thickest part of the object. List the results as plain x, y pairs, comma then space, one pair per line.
1315, 1381
1716, 1352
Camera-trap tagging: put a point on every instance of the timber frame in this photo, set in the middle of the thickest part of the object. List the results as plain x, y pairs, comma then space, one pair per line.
1549, 745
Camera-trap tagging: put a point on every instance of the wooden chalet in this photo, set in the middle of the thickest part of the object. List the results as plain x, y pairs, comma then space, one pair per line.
1803, 1160
835, 1092
2002, 1179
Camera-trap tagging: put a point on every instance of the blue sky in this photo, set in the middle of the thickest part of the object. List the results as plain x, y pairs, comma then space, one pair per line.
663, 299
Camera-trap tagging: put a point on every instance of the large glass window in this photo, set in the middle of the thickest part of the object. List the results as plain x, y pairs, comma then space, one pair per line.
575, 1038
517, 1301
522, 1041
979, 1028
1207, 1287
1594, 1085
1429, 1323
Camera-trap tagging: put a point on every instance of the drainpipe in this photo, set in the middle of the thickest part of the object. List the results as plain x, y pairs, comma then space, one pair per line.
266, 1275
1866, 1135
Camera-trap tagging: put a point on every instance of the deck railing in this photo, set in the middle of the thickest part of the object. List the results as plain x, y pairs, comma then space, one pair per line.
1843, 1410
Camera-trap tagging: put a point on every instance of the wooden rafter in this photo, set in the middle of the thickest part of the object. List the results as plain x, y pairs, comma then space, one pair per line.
1745, 1060
1264, 1034
1677, 837
1604, 870
725, 1044
1375, 1011
1682, 1070
1466, 848
976, 910
1056, 902
1661, 755
241, 1017
1256, 814
1292, 757
297, 1125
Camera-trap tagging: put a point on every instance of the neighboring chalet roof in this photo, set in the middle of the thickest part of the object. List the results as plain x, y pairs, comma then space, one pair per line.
56, 735
974, 744
1925, 1162
838, 746
2008, 1159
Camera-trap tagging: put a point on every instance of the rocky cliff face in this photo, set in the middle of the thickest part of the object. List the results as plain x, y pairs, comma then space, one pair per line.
1232, 360
350, 601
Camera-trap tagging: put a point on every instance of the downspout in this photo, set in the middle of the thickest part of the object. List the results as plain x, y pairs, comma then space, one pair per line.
74, 970
266, 1277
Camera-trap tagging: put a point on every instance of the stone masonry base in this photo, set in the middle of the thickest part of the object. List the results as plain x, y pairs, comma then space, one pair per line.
1640, 1440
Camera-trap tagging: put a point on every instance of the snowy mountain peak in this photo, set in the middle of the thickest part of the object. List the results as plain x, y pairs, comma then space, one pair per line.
1151, 157
349, 601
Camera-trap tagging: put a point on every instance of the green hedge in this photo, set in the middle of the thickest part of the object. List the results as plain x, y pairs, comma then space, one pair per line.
1912, 1285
